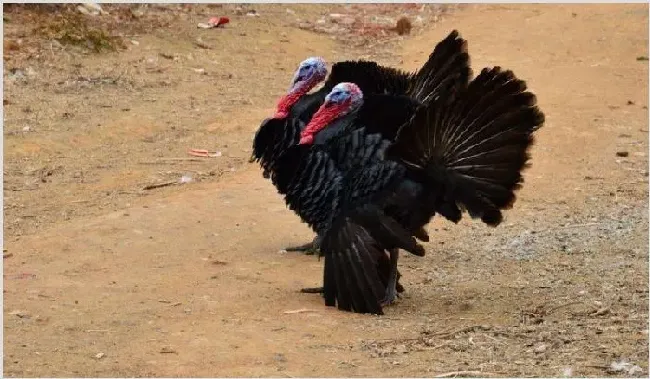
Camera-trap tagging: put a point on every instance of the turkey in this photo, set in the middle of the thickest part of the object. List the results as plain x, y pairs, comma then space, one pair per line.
448, 63
366, 197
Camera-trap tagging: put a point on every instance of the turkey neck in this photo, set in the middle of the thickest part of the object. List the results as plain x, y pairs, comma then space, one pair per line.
334, 128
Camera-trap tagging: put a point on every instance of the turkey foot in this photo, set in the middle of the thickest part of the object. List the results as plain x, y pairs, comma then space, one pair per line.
310, 248
312, 290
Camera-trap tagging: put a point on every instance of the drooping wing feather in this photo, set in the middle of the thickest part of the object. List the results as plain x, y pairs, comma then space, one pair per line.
273, 138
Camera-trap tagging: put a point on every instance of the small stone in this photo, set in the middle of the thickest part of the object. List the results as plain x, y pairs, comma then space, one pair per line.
540, 349
134, 42
168, 350
622, 153
26, 128
99, 355
401, 349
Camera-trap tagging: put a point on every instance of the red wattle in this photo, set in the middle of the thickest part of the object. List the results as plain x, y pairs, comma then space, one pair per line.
306, 140
286, 102
323, 116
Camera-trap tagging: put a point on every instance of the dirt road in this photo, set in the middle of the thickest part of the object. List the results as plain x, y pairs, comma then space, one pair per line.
101, 279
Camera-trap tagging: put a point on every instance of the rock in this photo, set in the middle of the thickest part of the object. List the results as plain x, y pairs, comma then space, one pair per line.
624, 367
168, 350
540, 349
401, 349
622, 153
91, 9
99, 355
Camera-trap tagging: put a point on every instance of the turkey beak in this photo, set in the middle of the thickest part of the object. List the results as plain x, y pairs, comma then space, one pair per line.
252, 158
299, 78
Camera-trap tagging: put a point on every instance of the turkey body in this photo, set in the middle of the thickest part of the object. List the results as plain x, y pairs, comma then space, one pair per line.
367, 196
383, 87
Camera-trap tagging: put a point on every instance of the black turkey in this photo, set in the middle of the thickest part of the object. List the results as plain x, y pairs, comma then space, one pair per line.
447, 64
366, 196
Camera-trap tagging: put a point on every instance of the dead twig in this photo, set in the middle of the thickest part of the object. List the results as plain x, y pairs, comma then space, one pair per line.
158, 185
562, 306
461, 330
302, 310
455, 374
429, 348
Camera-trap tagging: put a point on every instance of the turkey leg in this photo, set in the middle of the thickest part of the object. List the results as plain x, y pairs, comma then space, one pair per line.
391, 289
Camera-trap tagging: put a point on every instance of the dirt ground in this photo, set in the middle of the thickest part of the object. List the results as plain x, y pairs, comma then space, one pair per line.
104, 278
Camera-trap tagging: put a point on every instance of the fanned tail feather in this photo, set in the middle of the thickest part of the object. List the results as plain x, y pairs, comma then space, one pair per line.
448, 66
474, 144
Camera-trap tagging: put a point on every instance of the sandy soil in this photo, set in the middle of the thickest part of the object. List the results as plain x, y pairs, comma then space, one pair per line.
103, 278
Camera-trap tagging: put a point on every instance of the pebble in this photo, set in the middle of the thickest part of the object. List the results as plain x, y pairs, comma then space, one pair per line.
99, 355
540, 349
168, 350
622, 153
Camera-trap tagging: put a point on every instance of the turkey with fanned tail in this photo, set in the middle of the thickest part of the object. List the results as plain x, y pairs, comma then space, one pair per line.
447, 65
366, 196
